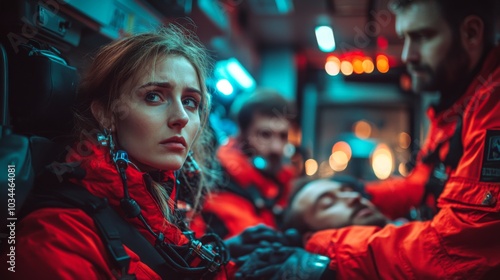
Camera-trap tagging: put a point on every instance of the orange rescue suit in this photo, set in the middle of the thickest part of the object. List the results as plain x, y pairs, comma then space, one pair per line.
463, 240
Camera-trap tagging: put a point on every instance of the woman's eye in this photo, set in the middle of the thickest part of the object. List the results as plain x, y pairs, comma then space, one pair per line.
191, 102
153, 97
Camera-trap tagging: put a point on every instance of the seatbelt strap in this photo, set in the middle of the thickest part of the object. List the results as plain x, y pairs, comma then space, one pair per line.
456, 148
439, 175
114, 230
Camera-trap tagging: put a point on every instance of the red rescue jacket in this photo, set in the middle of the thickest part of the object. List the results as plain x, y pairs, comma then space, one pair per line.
55, 243
462, 240
396, 196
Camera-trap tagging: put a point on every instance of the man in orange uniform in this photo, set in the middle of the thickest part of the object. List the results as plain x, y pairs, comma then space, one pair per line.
439, 59
449, 47
256, 183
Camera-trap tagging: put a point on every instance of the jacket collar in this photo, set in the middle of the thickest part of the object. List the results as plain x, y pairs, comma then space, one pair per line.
243, 173
481, 83
102, 180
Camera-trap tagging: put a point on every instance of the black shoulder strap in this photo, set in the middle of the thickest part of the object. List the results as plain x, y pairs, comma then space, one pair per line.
114, 230
252, 193
438, 177
456, 148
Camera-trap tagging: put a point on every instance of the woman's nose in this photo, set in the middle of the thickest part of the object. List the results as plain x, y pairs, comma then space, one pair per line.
177, 115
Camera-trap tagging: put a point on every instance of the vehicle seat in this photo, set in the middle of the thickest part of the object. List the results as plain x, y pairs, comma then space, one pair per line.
38, 90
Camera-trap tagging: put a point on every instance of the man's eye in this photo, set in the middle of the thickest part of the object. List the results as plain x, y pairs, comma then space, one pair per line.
153, 97
191, 102
420, 36
326, 202
265, 134
346, 189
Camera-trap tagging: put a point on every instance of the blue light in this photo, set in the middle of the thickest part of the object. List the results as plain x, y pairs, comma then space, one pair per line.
259, 163
284, 6
240, 74
361, 148
325, 38
224, 86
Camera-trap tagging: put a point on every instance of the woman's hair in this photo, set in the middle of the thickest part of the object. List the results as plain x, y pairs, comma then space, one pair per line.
120, 62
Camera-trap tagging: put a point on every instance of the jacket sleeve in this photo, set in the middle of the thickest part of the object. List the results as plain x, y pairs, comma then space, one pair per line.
455, 245
395, 196
60, 244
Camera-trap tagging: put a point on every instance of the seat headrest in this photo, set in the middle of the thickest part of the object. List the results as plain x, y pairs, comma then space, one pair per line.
42, 91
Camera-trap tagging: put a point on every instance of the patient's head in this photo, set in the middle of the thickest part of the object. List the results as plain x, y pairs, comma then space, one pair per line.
329, 203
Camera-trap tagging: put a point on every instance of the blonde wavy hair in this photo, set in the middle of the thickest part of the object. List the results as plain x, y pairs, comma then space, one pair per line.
117, 63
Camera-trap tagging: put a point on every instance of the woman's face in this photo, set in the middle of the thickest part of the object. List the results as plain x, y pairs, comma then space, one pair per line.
161, 119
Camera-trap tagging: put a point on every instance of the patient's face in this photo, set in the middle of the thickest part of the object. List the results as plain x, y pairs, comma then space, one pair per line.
325, 204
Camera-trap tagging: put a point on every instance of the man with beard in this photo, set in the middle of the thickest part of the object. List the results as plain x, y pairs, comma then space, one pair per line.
256, 183
449, 47
446, 50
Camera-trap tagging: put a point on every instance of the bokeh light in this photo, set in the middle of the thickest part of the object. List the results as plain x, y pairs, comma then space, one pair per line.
382, 63
332, 67
357, 65
402, 169
325, 170
382, 161
368, 66
362, 129
311, 167
344, 147
338, 161
404, 140
346, 67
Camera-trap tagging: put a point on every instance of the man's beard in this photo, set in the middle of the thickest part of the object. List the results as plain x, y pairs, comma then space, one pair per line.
269, 166
274, 164
451, 72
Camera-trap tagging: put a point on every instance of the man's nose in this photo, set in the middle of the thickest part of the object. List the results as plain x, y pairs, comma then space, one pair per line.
351, 198
277, 146
410, 53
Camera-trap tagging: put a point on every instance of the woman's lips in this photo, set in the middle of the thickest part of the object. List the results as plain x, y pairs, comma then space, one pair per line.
173, 145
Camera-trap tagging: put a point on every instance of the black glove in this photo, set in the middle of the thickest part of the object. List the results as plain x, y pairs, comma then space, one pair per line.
292, 238
256, 237
277, 262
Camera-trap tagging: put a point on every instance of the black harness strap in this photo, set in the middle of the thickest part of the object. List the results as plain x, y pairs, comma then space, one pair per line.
439, 177
456, 148
252, 193
114, 230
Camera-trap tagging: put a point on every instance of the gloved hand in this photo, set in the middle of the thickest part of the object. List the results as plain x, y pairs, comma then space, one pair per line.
277, 262
293, 238
257, 237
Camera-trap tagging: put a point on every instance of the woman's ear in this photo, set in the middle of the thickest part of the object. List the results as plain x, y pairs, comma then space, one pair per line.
105, 119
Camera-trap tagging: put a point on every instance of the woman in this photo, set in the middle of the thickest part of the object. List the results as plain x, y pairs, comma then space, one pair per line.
144, 100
